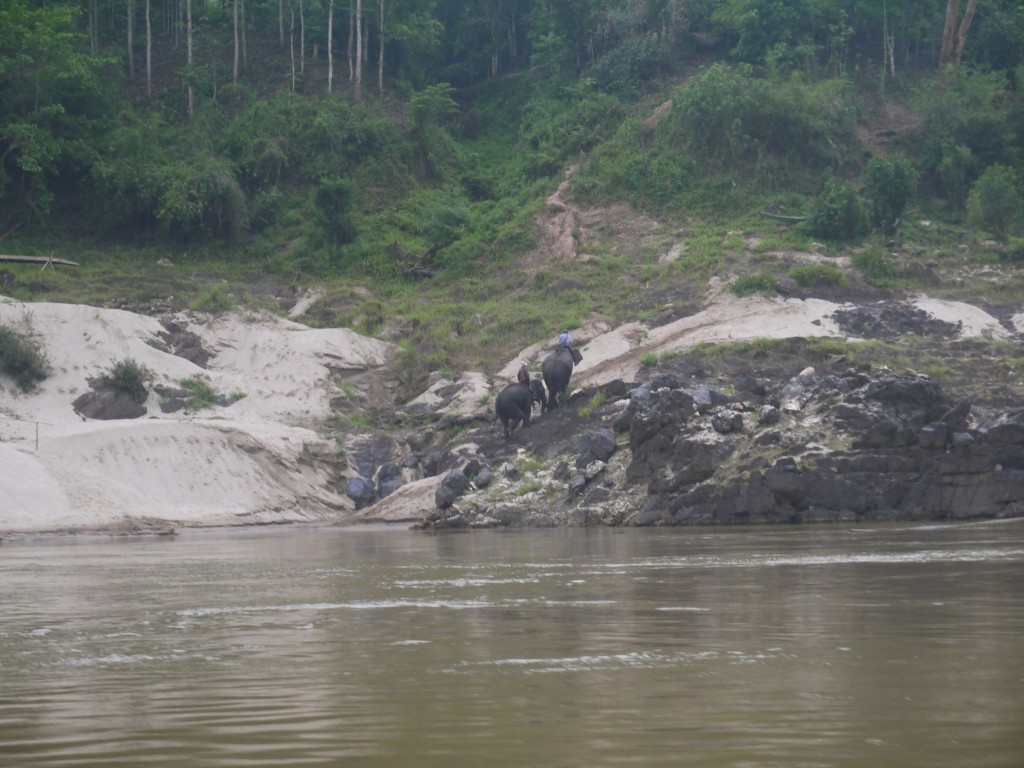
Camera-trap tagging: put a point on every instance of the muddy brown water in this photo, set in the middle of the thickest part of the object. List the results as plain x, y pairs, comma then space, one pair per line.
792, 646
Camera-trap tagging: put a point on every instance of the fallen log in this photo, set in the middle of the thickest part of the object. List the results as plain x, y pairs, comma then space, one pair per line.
44, 260
783, 217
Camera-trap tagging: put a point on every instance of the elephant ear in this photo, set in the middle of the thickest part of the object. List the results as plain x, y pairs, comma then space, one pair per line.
577, 358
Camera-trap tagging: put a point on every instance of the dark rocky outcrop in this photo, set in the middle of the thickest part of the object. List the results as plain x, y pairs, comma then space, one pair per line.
879, 446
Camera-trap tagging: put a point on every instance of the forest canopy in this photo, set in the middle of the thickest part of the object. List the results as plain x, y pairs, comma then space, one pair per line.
404, 136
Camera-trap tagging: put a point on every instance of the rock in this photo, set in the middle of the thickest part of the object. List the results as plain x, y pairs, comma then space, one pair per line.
768, 415
933, 436
361, 491
483, 478
577, 484
452, 486
108, 404
596, 445
388, 480
725, 422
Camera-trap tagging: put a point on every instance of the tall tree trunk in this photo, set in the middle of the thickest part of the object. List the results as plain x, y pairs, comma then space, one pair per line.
149, 55
191, 92
245, 51
351, 40
291, 45
235, 51
954, 34
359, 50
94, 33
302, 38
280, 22
130, 5
330, 45
380, 52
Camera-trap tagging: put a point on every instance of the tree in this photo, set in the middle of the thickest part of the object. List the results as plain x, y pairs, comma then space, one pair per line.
995, 200
954, 35
49, 101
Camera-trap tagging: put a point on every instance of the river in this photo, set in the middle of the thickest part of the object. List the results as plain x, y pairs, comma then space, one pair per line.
795, 647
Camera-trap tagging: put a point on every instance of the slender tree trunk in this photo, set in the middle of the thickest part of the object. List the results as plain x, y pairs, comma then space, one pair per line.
380, 51
130, 5
280, 22
93, 31
302, 38
954, 34
359, 50
245, 52
351, 39
235, 51
191, 92
149, 55
330, 45
291, 46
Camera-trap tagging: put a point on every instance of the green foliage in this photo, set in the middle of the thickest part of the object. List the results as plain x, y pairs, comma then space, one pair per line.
889, 186
649, 359
967, 123
747, 285
818, 275
995, 200
22, 358
838, 213
129, 377
875, 266
51, 102
333, 202
212, 298
203, 395
736, 119
625, 69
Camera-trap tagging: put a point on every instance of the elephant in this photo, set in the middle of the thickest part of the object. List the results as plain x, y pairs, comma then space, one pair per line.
539, 394
557, 369
513, 405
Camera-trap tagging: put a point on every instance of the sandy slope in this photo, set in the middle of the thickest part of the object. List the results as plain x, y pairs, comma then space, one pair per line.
249, 463
254, 462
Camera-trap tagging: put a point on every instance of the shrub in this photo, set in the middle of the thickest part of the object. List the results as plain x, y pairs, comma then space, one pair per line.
22, 358
889, 186
748, 285
994, 200
876, 267
130, 377
203, 393
809, 275
838, 213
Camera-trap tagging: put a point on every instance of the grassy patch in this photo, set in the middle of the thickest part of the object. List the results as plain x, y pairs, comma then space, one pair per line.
22, 358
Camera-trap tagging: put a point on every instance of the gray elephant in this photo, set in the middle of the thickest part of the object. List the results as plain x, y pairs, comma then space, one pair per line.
539, 394
513, 405
557, 370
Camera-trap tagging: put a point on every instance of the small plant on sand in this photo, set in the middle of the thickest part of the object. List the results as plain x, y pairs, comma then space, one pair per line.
748, 285
130, 377
595, 402
202, 392
648, 359
22, 358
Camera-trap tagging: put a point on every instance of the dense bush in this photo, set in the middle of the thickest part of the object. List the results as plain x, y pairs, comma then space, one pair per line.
130, 377
967, 124
736, 119
838, 213
22, 358
995, 200
762, 282
889, 186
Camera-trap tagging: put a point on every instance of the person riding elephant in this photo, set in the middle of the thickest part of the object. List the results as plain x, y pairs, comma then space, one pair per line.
513, 405
557, 370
